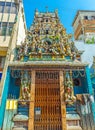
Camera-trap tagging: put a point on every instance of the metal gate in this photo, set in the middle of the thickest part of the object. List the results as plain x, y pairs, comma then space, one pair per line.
47, 101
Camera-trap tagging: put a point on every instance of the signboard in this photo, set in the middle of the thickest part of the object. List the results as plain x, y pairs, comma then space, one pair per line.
37, 111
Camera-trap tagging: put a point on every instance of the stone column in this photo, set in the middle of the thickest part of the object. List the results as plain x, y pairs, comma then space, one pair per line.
31, 106
63, 105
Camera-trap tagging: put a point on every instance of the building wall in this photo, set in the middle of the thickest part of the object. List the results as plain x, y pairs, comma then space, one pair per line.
21, 29
13, 89
8, 16
76, 23
84, 23
8, 13
82, 87
89, 51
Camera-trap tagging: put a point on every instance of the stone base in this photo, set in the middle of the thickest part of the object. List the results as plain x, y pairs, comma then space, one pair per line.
19, 129
74, 128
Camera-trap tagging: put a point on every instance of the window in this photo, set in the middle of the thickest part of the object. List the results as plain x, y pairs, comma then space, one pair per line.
7, 7
4, 24
85, 17
92, 17
2, 4
14, 8
89, 17
76, 82
6, 28
9, 29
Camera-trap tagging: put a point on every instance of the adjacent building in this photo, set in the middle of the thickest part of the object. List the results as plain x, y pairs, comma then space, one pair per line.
12, 31
84, 34
9, 10
84, 26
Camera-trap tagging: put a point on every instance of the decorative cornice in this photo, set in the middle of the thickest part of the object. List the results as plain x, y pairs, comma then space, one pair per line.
47, 63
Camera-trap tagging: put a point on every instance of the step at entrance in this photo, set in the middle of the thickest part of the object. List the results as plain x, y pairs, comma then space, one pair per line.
47, 109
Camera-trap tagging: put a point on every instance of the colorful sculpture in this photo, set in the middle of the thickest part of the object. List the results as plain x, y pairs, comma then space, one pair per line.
47, 38
69, 92
25, 86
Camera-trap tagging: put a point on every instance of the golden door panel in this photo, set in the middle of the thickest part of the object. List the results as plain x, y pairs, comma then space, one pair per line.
47, 101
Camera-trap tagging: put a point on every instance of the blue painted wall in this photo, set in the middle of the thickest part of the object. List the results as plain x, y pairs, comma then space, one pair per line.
3, 102
93, 85
90, 90
83, 86
14, 90
0, 75
9, 89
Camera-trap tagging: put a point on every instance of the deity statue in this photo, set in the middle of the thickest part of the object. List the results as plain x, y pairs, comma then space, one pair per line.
25, 86
68, 52
69, 94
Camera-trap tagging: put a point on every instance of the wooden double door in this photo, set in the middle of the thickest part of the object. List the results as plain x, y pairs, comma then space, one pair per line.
47, 105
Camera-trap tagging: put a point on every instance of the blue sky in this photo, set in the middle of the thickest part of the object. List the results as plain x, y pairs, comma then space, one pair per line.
67, 9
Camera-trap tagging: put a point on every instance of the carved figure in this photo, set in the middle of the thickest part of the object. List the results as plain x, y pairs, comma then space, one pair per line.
25, 86
69, 95
57, 41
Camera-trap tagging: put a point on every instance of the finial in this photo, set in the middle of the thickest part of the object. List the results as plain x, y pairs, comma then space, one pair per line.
36, 12
47, 9
56, 12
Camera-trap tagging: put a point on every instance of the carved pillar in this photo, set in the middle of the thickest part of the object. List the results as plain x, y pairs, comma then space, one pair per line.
31, 106
63, 105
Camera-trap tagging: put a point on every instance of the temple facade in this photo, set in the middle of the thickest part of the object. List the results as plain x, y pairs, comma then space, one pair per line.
47, 87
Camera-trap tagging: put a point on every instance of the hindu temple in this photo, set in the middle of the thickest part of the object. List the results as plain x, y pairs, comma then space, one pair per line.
47, 86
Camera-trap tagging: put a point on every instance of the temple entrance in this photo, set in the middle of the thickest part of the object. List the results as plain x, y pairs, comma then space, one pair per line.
47, 101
